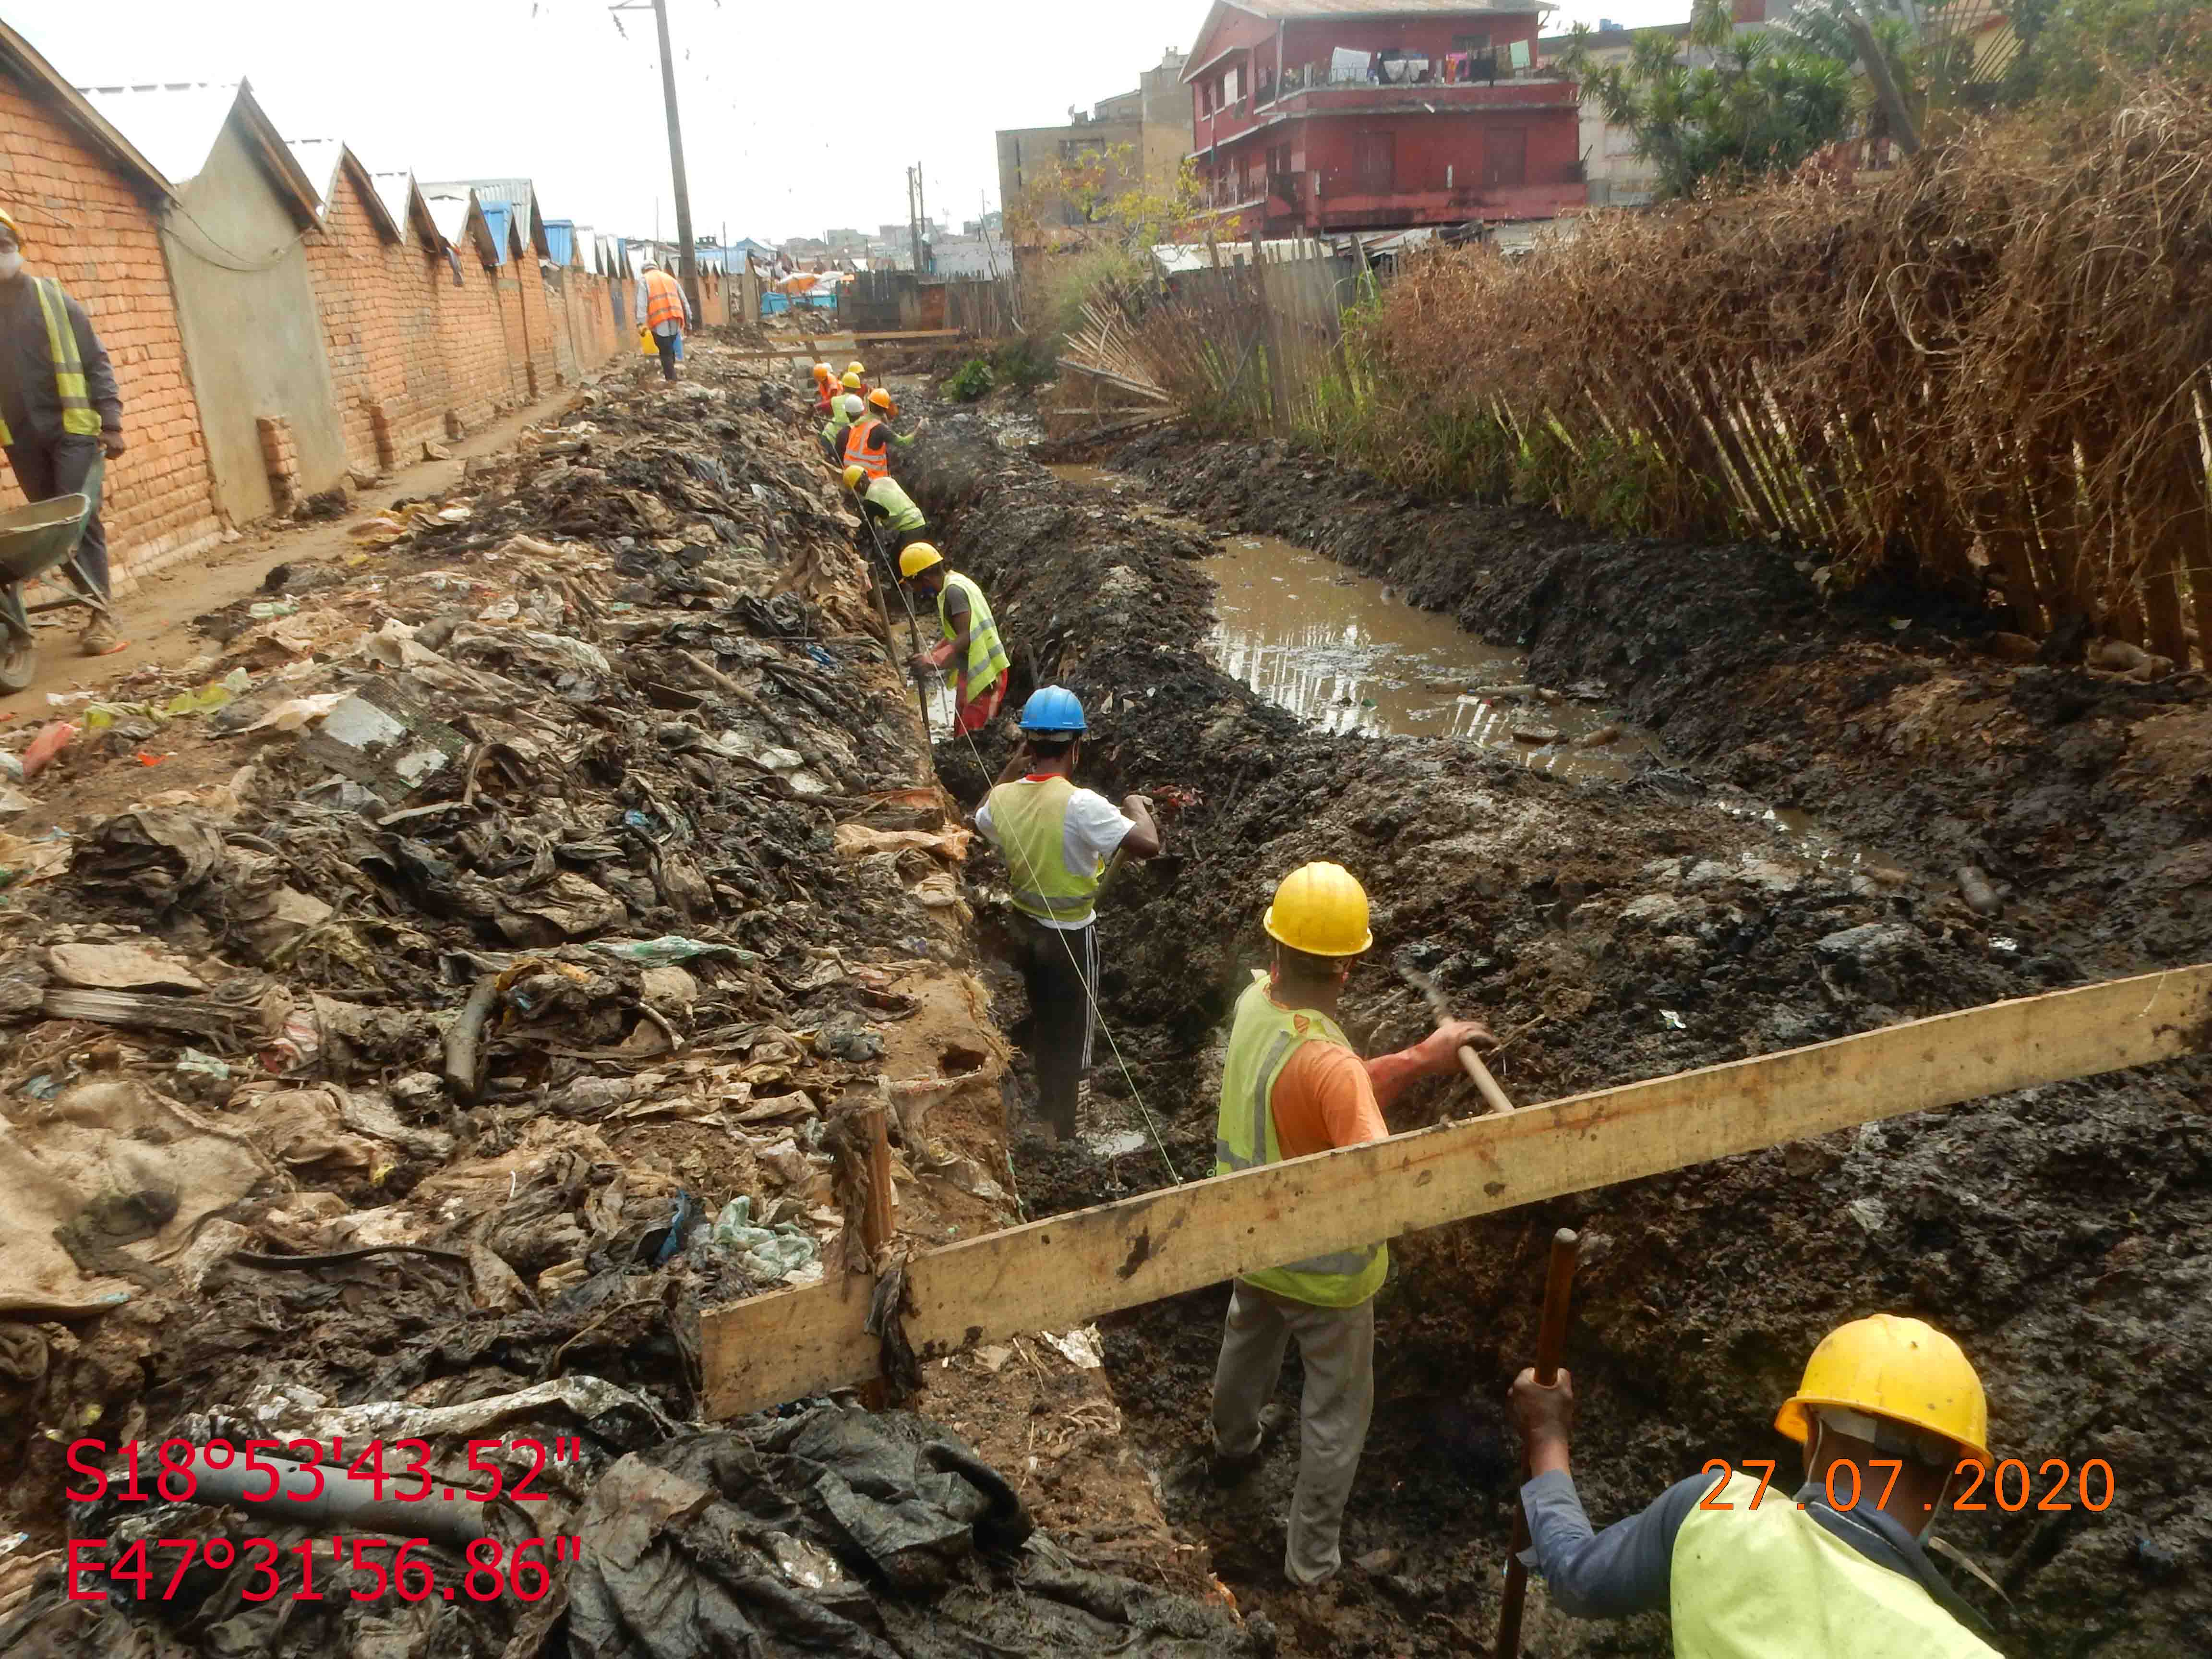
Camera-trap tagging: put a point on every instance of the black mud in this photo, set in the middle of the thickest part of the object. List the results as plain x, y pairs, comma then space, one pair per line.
1616, 931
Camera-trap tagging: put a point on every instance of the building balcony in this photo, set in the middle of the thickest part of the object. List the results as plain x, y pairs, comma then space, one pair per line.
1367, 100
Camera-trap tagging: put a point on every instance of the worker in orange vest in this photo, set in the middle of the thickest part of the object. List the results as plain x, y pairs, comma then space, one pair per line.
867, 443
661, 308
826, 389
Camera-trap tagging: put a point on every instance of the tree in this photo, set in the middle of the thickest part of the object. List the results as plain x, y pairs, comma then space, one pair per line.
1721, 104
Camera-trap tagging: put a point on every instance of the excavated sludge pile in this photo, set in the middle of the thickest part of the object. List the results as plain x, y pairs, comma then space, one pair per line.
480, 989
1612, 931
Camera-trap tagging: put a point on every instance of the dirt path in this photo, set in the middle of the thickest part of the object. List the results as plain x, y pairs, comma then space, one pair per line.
157, 617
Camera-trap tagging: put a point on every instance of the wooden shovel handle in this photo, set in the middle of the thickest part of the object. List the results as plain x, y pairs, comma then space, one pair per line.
1550, 1343
1487, 1086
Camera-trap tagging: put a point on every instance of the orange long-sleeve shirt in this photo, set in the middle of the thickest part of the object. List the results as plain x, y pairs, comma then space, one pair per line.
1327, 1095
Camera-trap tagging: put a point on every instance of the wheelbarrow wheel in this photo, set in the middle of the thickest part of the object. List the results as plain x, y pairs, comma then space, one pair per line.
18, 663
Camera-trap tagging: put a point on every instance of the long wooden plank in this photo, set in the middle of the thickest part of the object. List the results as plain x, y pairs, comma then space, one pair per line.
1051, 1274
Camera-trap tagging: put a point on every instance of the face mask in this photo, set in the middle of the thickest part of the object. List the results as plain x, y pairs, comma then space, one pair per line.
10, 262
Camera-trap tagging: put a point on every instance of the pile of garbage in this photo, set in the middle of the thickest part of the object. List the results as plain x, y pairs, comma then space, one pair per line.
535, 895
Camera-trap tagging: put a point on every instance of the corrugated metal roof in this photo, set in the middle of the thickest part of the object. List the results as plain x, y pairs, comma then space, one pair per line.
561, 239
391, 189
496, 214
451, 215
318, 159
173, 125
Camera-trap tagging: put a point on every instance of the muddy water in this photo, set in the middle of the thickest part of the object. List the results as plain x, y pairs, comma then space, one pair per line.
1346, 654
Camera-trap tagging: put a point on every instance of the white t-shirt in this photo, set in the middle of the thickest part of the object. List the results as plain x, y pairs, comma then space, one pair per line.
1089, 835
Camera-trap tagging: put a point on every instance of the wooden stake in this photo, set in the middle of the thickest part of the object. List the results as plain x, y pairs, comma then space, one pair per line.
1071, 1268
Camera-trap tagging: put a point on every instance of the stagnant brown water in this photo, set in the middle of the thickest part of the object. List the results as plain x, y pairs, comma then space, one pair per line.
1345, 653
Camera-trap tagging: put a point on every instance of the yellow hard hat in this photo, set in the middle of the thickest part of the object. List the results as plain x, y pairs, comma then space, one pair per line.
1896, 1368
852, 380
821, 371
882, 399
917, 559
855, 475
854, 368
1322, 909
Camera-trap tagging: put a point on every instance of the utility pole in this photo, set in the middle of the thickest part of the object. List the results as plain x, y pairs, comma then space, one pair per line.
690, 261
914, 212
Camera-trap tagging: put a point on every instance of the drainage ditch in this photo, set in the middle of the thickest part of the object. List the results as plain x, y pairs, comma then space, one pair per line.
1611, 927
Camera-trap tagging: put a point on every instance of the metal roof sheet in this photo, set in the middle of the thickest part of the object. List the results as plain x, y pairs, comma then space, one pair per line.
318, 158
496, 214
561, 239
450, 214
391, 189
174, 123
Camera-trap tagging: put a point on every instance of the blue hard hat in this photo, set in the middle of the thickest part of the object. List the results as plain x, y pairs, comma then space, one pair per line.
1052, 708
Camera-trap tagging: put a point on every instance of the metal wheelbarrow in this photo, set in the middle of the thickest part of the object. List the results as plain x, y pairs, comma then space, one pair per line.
35, 540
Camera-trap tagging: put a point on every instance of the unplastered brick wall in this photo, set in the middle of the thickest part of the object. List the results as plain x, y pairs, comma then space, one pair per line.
472, 336
542, 364
380, 331
85, 226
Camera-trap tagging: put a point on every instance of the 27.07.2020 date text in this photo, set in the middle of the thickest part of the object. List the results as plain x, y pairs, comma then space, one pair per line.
492, 1571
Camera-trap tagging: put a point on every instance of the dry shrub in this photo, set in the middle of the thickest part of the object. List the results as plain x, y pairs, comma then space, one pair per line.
1991, 371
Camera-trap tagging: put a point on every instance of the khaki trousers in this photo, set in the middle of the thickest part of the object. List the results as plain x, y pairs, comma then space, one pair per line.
1337, 1346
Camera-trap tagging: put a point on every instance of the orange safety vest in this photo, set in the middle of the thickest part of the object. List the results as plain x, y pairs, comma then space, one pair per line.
664, 301
877, 464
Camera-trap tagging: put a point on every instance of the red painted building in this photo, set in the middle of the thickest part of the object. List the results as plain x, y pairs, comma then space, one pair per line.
1337, 115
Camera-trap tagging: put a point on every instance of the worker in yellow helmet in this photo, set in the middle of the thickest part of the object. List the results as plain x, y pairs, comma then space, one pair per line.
853, 382
898, 523
60, 412
971, 644
1889, 1415
1291, 1084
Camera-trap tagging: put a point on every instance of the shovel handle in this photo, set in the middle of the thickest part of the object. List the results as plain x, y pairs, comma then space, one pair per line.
1550, 1343
1487, 1086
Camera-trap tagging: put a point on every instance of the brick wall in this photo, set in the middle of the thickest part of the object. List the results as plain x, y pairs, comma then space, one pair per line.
472, 336
543, 367
85, 227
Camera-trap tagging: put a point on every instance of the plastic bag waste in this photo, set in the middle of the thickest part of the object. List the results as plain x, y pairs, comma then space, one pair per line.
782, 1253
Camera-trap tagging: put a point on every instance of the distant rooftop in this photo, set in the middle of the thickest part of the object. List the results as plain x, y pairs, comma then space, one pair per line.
174, 123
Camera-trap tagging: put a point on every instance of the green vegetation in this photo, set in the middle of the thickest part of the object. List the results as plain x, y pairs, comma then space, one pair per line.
969, 382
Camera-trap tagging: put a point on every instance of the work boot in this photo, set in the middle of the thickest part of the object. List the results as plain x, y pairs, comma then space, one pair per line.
99, 639
1275, 1419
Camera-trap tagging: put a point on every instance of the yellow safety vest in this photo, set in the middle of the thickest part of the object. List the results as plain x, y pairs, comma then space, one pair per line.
1773, 1583
836, 423
986, 658
1261, 1043
79, 417
1030, 820
904, 515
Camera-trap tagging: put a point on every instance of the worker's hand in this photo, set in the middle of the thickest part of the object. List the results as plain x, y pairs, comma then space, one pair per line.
113, 442
1439, 1050
1544, 1417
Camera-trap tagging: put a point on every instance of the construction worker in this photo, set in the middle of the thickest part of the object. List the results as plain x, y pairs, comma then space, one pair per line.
845, 409
1057, 841
899, 522
659, 305
1292, 1085
1889, 1412
971, 642
826, 389
856, 378
59, 408
867, 446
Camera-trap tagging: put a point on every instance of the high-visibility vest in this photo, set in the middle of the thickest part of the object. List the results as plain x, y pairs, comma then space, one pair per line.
664, 301
986, 658
1261, 1043
877, 464
900, 512
1030, 819
1773, 1583
833, 429
79, 418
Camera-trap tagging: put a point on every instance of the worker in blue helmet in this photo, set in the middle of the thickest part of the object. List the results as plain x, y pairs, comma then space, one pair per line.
1058, 841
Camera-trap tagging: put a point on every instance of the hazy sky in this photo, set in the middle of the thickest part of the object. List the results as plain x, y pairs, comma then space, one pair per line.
796, 117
